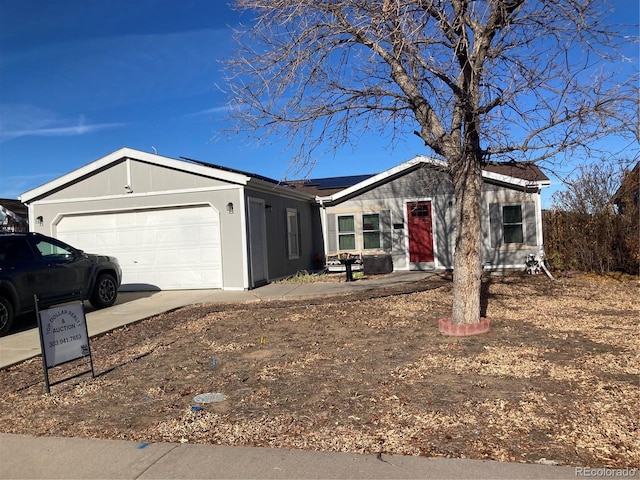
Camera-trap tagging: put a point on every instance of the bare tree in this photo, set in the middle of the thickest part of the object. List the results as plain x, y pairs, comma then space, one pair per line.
586, 230
473, 79
592, 189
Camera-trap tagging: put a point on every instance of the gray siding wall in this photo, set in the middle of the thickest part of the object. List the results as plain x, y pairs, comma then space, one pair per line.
231, 228
497, 253
390, 200
152, 178
141, 178
279, 264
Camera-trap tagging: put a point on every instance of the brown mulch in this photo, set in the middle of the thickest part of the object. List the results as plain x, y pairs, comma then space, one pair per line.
555, 381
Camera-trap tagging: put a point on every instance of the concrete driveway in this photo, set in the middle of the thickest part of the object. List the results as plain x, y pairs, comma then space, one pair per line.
131, 307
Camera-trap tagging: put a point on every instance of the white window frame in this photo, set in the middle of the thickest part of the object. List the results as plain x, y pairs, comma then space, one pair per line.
293, 234
505, 224
346, 233
365, 232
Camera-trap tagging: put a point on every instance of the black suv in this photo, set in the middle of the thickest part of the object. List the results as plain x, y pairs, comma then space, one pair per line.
34, 264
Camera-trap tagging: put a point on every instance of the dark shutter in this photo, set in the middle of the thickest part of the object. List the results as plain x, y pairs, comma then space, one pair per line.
299, 233
386, 230
530, 223
331, 229
495, 220
286, 233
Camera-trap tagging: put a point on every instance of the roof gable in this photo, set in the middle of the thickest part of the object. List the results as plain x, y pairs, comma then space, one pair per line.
186, 165
521, 175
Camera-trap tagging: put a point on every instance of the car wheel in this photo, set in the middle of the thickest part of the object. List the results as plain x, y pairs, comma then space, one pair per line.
105, 292
6, 316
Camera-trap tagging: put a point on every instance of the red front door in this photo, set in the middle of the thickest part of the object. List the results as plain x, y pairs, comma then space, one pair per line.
420, 234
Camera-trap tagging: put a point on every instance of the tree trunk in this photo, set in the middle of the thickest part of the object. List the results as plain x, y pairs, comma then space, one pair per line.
467, 260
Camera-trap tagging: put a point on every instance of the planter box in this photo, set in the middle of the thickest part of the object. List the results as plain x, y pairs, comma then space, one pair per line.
377, 264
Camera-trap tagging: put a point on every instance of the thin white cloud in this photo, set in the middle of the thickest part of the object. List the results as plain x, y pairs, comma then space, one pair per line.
59, 131
28, 121
209, 112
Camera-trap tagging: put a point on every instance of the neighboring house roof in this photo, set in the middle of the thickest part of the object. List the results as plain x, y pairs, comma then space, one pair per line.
522, 175
184, 164
628, 194
13, 215
14, 206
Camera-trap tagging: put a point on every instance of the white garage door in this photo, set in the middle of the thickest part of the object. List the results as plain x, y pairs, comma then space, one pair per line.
169, 249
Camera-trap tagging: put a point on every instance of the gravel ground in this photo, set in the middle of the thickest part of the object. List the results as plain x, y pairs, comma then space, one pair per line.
555, 381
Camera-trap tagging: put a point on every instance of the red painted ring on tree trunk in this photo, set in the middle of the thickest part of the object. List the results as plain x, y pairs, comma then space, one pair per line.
465, 329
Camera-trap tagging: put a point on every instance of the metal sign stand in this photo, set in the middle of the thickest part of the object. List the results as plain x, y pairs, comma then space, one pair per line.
63, 333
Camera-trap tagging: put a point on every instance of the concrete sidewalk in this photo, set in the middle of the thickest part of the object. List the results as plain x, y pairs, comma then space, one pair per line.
55, 457
71, 458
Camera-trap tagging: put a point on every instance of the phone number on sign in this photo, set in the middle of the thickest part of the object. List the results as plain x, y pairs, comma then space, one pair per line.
61, 341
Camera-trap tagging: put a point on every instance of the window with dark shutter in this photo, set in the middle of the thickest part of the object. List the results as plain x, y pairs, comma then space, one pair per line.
512, 224
371, 231
346, 232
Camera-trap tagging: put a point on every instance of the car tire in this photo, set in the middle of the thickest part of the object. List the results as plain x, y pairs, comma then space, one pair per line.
105, 291
6, 316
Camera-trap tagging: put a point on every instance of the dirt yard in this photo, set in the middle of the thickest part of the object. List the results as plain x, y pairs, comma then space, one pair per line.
556, 381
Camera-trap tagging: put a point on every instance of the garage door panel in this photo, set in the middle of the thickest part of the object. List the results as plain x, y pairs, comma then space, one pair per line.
167, 249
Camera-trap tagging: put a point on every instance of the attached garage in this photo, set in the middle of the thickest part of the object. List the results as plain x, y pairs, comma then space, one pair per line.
178, 224
165, 249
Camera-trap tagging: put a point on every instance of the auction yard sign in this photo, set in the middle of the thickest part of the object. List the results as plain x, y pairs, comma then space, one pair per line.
63, 336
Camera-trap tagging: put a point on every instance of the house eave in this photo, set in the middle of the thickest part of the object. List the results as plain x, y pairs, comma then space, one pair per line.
280, 189
398, 170
416, 162
131, 154
515, 182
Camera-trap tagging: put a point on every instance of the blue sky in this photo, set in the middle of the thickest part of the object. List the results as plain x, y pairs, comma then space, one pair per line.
82, 78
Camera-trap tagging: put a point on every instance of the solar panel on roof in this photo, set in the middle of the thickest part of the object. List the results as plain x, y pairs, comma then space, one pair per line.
229, 169
336, 182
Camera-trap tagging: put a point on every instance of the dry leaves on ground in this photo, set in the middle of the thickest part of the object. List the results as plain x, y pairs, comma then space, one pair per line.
556, 380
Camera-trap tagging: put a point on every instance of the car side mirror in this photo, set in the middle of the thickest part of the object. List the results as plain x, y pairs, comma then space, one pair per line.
75, 254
